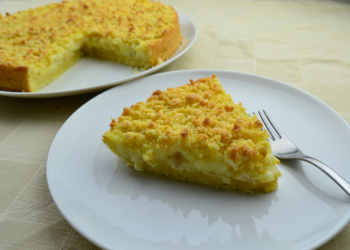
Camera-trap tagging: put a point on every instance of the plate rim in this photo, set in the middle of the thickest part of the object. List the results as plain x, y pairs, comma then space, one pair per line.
328, 236
105, 86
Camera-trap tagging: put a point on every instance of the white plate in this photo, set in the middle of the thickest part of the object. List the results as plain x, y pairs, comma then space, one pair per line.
91, 74
116, 207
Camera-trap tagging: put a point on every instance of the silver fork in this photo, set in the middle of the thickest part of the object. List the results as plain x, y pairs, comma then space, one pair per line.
284, 149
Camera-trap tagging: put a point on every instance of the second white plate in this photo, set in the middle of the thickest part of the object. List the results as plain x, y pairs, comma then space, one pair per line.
91, 74
117, 207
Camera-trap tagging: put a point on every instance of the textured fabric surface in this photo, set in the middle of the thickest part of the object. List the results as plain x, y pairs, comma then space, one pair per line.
303, 43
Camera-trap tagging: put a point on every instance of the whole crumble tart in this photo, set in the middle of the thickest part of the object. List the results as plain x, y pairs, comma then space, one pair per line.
38, 45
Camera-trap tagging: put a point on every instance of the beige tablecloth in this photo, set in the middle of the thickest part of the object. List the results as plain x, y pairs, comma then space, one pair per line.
303, 43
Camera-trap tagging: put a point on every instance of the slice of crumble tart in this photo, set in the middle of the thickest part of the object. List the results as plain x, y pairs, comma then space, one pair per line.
196, 133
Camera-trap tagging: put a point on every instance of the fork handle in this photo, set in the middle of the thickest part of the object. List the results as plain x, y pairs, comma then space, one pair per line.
330, 172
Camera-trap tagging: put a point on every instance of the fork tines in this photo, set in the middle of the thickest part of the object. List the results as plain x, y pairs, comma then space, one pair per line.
270, 126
